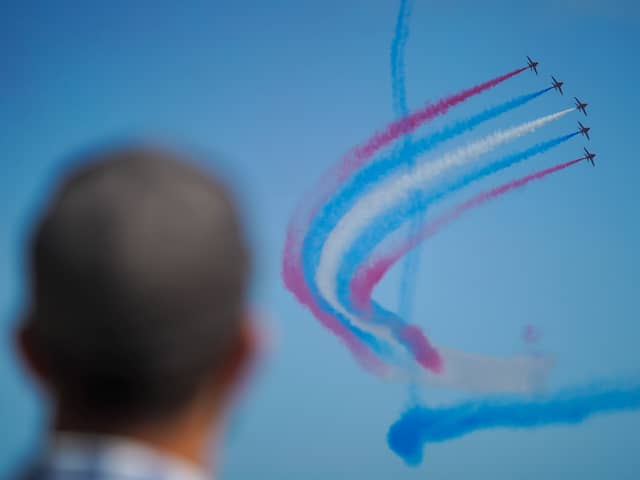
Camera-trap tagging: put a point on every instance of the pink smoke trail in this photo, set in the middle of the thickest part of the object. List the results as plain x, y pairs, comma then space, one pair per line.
369, 274
292, 268
354, 159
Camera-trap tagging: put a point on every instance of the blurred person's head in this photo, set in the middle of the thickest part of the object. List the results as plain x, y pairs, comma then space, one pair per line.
137, 323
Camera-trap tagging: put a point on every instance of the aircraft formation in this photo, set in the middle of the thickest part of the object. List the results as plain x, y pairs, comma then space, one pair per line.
580, 106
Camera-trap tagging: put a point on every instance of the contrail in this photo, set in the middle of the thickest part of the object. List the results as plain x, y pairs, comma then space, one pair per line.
357, 156
369, 273
292, 271
294, 280
414, 120
401, 34
421, 425
470, 123
372, 174
400, 108
378, 213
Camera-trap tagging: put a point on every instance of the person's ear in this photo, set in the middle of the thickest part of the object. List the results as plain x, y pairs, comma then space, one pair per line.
240, 360
28, 352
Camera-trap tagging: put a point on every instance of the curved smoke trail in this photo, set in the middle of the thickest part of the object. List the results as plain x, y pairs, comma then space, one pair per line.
292, 269
357, 292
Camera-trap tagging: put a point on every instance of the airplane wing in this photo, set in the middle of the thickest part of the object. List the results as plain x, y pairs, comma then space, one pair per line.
587, 134
561, 92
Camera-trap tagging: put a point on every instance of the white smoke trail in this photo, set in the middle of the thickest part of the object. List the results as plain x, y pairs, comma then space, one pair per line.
473, 372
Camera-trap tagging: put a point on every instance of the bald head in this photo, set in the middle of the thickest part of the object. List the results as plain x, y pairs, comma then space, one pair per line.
139, 271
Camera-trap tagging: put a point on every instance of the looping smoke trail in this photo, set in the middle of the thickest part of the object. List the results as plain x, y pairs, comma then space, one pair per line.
322, 263
369, 273
292, 270
421, 425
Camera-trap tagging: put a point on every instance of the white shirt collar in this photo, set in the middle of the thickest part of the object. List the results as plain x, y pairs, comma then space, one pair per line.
118, 456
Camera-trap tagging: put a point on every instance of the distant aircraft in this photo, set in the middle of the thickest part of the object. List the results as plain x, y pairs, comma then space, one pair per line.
589, 156
532, 65
581, 106
557, 85
584, 130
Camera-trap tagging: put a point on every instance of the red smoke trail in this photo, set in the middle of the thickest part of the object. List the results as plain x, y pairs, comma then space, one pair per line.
359, 154
370, 273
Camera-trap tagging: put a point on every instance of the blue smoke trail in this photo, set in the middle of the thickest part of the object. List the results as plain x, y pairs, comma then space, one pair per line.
370, 237
401, 33
401, 109
464, 126
329, 215
421, 425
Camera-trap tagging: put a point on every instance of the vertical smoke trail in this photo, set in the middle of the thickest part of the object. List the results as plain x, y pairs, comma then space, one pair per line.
421, 425
369, 273
400, 109
401, 33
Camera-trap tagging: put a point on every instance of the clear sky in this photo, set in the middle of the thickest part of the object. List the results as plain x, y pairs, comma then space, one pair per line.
280, 90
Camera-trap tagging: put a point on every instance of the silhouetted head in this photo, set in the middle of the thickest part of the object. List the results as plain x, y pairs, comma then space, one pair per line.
138, 273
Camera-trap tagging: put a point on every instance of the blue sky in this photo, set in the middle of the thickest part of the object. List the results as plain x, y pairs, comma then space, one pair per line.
279, 90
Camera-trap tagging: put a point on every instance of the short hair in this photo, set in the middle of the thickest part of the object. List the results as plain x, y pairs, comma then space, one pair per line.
138, 270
